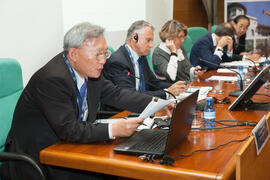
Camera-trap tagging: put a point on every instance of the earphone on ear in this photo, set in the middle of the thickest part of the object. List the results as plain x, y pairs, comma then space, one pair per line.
136, 37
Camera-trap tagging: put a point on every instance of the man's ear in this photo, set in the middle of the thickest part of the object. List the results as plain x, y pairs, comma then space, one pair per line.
72, 54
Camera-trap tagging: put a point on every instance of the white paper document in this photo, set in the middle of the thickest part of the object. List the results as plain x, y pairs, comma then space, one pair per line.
223, 78
202, 93
153, 107
224, 70
237, 63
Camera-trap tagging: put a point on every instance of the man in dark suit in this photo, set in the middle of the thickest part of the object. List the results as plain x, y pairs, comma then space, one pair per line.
215, 48
130, 61
60, 103
240, 26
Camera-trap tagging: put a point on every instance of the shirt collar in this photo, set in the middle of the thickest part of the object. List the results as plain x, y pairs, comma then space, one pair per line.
179, 52
79, 79
214, 39
133, 54
164, 47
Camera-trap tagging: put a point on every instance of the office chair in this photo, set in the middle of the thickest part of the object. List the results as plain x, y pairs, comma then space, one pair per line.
149, 60
111, 49
213, 28
187, 45
10, 91
196, 33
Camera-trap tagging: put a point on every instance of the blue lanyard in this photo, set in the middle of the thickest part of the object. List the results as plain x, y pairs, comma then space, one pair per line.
129, 54
79, 97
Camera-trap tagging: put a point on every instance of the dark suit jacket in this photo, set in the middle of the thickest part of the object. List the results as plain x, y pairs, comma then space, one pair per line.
119, 64
239, 48
47, 112
204, 49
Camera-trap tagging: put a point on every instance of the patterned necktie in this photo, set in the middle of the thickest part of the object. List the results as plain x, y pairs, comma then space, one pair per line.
83, 94
142, 83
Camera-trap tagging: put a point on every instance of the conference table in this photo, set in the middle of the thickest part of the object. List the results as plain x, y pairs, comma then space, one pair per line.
219, 163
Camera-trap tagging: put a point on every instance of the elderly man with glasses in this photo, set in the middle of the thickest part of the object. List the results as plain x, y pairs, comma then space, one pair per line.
60, 104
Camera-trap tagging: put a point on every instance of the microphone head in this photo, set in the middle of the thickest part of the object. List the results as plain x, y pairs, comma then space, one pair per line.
126, 72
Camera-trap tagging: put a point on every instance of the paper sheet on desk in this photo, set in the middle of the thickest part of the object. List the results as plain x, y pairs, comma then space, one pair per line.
202, 93
223, 70
223, 78
153, 107
245, 63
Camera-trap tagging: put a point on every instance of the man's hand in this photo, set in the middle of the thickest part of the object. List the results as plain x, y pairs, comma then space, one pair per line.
166, 111
125, 128
253, 57
178, 88
224, 41
198, 71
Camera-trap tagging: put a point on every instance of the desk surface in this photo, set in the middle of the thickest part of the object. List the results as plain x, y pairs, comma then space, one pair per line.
216, 164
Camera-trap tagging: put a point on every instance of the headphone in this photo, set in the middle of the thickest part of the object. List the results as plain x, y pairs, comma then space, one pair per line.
136, 37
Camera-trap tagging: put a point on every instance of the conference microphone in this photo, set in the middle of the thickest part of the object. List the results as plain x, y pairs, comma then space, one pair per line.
235, 93
127, 73
255, 70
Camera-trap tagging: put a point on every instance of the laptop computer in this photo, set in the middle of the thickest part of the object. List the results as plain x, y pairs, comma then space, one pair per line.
161, 141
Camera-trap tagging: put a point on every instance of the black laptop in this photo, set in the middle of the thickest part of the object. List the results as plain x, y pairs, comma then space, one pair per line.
161, 141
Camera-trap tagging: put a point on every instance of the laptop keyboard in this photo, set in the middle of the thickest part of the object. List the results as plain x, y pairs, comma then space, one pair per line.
153, 141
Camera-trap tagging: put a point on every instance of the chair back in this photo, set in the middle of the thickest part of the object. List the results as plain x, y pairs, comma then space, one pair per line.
149, 60
196, 33
11, 87
187, 45
110, 48
213, 28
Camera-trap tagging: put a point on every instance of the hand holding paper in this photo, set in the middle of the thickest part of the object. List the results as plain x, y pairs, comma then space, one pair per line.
153, 107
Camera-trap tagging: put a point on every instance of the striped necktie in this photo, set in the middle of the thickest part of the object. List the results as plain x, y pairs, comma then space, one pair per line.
142, 83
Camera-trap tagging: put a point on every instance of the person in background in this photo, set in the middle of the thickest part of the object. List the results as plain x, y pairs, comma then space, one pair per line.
60, 103
215, 48
128, 67
240, 25
170, 57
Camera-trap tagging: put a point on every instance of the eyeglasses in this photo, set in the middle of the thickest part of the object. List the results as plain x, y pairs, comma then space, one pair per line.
107, 54
225, 100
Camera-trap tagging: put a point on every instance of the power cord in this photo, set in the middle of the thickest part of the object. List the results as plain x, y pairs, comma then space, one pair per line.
259, 94
237, 123
170, 160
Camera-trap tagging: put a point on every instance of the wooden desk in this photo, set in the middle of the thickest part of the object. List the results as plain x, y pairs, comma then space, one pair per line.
216, 164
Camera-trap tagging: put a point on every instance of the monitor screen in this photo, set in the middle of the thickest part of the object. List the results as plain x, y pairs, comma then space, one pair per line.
244, 102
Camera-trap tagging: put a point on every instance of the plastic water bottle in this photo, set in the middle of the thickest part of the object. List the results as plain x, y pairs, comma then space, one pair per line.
266, 62
209, 113
242, 73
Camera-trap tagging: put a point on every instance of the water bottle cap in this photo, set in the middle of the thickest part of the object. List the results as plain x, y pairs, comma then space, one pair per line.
209, 99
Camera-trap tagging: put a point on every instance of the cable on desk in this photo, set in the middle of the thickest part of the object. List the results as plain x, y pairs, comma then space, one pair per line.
238, 123
259, 94
170, 160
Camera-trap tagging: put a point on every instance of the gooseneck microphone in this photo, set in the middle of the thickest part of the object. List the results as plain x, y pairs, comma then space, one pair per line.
235, 93
127, 73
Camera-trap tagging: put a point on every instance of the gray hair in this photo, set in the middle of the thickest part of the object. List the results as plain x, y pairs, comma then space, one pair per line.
138, 27
79, 33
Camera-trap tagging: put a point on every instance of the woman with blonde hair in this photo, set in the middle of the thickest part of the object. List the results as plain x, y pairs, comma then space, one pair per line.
170, 58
